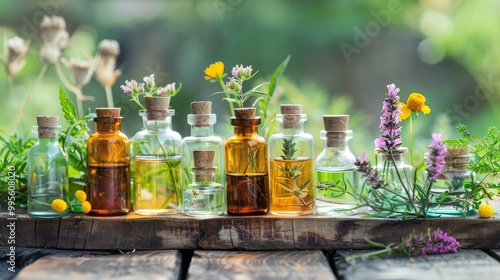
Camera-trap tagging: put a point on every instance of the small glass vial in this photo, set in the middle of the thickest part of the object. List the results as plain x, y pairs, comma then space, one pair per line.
204, 196
108, 165
157, 162
247, 181
336, 174
452, 178
391, 174
291, 165
202, 139
47, 170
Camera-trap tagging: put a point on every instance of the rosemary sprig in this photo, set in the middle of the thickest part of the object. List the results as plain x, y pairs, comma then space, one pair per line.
289, 149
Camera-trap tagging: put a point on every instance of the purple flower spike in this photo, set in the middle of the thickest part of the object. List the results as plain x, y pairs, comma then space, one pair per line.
435, 162
368, 172
389, 122
436, 242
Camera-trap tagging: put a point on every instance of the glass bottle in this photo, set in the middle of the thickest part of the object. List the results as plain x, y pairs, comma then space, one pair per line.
202, 139
291, 165
157, 162
204, 196
47, 170
108, 168
336, 175
452, 178
247, 184
390, 174
143, 115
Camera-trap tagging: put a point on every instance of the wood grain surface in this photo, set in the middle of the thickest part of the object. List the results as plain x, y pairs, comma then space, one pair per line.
262, 265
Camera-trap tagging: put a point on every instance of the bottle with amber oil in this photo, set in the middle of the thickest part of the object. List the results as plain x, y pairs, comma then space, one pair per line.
204, 196
108, 165
157, 161
291, 165
47, 170
336, 175
247, 184
202, 139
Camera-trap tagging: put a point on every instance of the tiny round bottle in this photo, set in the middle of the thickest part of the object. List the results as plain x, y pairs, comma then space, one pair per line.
108, 165
394, 171
47, 170
204, 196
291, 165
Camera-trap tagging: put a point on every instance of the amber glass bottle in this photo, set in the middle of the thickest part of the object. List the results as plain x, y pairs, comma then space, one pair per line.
108, 165
247, 184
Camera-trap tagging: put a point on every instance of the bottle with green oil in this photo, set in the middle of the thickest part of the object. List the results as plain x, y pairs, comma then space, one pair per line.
157, 162
336, 175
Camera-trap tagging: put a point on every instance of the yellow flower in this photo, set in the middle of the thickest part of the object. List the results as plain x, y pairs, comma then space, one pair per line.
485, 211
59, 205
86, 207
214, 71
81, 195
415, 103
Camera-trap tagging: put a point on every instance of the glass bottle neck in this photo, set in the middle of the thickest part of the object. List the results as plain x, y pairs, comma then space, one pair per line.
47, 140
108, 127
202, 131
292, 131
246, 131
382, 158
159, 125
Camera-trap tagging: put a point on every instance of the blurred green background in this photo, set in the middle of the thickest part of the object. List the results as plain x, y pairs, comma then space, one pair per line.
344, 53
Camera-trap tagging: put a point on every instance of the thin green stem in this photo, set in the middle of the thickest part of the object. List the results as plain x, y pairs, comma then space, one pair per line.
227, 95
411, 143
109, 97
12, 91
37, 81
138, 103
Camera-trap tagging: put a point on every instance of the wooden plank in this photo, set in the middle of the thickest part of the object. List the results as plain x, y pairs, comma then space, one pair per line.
266, 232
219, 265
138, 265
495, 253
26, 256
466, 264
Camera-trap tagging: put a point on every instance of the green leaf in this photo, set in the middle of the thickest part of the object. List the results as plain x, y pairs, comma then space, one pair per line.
67, 106
303, 186
232, 100
376, 244
286, 186
277, 75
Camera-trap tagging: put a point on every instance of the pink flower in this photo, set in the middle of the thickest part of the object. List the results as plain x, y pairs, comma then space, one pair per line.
150, 81
132, 87
435, 162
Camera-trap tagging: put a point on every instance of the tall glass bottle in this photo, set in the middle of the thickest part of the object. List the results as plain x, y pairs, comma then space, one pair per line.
247, 184
143, 115
202, 139
47, 170
391, 169
157, 162
108, 165
291, 165
204, 196
336, 175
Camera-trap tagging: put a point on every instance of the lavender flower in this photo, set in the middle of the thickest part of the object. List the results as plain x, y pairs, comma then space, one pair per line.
368, 172
389, 122
435, 162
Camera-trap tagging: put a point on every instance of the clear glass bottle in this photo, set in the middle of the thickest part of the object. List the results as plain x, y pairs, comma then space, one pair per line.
336, 175
157, 162
390, 174
247, 180
47, 170
452, 178
291, 165
202, 139
143, 115
108, 165
204, 196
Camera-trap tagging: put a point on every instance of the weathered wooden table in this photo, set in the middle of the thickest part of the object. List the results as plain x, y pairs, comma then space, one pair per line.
228, 247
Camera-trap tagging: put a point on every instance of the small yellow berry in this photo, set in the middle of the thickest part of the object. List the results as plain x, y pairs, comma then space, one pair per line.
59, 205
485, 211
86, 207
81, 195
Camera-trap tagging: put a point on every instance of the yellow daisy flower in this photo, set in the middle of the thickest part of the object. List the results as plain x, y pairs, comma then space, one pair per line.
214, 71
86, 207
415, 103
59, 205
81, 195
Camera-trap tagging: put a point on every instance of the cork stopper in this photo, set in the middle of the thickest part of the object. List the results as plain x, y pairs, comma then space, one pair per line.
203, 165
108, 112
456, 160
201, 107
291, 109
202, 111
47, 126
396, 153
245, 113
336, 127
156, 107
